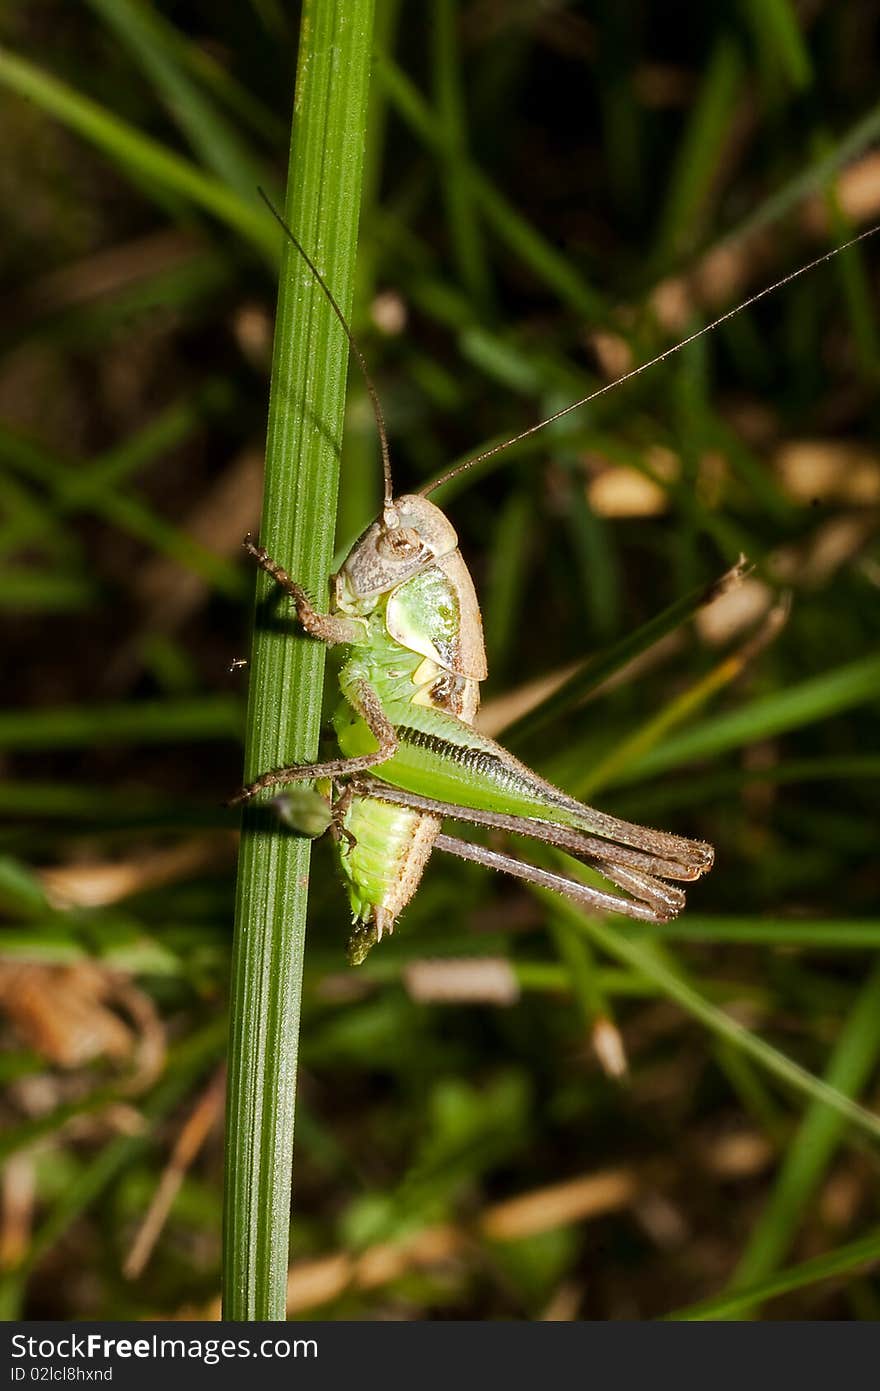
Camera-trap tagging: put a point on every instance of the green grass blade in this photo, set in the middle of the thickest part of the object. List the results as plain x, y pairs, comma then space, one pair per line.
640, 957
605, 663
135, 722
779, 37
154, 44
305, 426
136, 154
797, 1277
90, 487
27, 591
696, 170
817, 698
811, 1150
813, 179
509, 225
464, 227
832, 934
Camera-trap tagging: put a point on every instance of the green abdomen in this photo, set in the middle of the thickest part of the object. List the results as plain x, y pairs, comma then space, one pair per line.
384, 865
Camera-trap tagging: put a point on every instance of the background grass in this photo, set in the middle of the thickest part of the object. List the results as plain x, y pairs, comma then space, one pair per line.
551, 193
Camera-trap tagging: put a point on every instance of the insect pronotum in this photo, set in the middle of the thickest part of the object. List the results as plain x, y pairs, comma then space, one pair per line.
404, 609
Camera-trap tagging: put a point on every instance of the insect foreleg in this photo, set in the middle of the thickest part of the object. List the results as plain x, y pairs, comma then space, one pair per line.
326, 626
366, 703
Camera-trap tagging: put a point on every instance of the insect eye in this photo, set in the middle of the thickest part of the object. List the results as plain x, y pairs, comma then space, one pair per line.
401, 544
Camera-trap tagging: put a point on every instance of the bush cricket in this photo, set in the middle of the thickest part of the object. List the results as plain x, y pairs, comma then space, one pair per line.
404, 611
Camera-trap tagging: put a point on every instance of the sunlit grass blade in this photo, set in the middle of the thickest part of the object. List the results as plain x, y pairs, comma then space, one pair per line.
309, 373
680, 709
817, 698
603, 664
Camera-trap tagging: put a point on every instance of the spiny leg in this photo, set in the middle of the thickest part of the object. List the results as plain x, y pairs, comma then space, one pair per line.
637, 872
368, 706
590, 849
666, 899
326, 626
340, 806
546, 879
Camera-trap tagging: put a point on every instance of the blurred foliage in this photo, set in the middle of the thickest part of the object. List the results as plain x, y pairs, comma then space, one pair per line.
554, 192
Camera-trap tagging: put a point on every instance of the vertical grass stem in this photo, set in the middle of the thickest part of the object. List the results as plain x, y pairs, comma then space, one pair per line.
306, 405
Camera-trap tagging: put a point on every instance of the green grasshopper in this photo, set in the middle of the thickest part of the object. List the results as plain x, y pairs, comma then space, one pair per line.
404, 612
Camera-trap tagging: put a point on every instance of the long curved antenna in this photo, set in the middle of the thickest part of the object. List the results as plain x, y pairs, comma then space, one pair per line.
388, 508
636, 371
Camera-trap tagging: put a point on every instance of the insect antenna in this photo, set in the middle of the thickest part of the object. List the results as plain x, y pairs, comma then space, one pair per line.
389, 514
643, 367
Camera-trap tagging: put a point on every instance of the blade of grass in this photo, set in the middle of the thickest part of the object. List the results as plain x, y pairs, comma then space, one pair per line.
115, 806
679, 709
211, 72
814, 699
507, 579
91, 487
832, 934
578, 962
778, 35
812, 1148
651, 802
699, 152
141, 722
533, 250
814, 178
862, 1252
357, 500
156, 46
306, 410
136, 154
640, 957
465, 231
605, 663
30, 591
